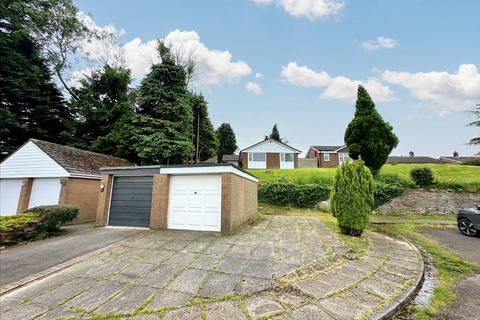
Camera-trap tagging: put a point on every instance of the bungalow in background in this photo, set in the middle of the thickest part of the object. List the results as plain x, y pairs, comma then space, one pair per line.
456, 159
413, 159
328, 156
269, 154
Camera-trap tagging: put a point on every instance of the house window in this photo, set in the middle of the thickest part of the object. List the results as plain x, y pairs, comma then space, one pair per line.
326, 157
256, 157
286, 157
343, 157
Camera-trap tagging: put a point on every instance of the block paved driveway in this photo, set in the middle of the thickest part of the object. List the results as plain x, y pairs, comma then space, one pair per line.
283, 266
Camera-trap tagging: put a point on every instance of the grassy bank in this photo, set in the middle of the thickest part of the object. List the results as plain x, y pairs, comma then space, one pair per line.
460, 177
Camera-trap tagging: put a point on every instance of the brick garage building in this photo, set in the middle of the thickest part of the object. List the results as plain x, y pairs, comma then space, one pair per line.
45, 173
208, 197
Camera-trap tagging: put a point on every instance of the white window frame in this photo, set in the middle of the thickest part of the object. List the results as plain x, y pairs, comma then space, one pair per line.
326, 156
287, 164
342, 157
257, 164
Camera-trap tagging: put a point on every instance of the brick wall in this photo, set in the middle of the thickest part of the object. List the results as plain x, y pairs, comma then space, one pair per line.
333, 163
244, 160
159, 209
104, 200
273, 160
82, 193
24, 198
239, 201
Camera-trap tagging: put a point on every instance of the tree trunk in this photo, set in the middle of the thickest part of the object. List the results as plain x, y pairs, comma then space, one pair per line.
197, 153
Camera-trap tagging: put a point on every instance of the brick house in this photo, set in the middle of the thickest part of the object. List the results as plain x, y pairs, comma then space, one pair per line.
269, 154
45, 173
328, 156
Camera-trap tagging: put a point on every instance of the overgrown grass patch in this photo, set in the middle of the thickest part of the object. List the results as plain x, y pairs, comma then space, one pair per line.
413, 217
450, 267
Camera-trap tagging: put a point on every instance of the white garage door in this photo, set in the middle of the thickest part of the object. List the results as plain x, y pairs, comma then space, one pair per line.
195, 203
45, 191
9, 195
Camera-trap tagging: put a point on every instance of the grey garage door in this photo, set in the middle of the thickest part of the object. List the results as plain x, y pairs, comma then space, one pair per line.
131, 201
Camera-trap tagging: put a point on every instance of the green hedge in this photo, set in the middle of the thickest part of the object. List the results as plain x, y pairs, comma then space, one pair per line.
53, 217
285, 193
20, 227
423, 177
36, 223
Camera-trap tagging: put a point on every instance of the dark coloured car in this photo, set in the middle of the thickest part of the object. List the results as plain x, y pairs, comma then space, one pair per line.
468, 221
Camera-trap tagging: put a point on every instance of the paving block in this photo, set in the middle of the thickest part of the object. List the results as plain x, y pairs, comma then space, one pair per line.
132, 297
226, 310
231, 265
309, 312
192, 313
219, 284
259, 269
292, 300
169, 298
262, 305
95, 296
159, 277
188, 281
181, 259
252, 285
341, 309
205, 262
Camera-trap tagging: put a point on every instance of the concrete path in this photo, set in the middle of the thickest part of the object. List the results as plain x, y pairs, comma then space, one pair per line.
23, 260
282, 267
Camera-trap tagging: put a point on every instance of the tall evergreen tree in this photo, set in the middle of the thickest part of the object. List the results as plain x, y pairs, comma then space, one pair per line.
205, 140
161, 131
275, 135
104, 103
368, 136
227, 141
31, 105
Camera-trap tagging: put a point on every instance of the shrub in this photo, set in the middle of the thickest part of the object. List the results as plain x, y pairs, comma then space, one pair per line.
20, 227
384, 192
422, 176
352, 197
53, 217
285, 193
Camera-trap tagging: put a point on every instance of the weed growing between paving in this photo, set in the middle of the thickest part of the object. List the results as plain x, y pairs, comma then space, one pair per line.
450, 267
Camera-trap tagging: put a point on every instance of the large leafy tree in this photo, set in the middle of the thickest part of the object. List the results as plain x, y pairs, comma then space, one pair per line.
227, 141
476, 123
205, 140
54, 26
275, 135
104, 105
368, 136
161, 131
31, 106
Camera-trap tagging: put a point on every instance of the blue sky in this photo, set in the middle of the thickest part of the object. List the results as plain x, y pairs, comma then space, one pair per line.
419, 60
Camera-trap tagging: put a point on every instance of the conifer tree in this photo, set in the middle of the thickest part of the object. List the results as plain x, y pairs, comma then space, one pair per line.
368, 136
227, 141
275, 135
352, 197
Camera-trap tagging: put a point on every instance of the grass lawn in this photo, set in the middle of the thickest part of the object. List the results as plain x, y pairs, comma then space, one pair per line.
412, 217
466, 178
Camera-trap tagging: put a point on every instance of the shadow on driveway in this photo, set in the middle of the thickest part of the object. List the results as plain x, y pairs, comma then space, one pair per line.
24, 260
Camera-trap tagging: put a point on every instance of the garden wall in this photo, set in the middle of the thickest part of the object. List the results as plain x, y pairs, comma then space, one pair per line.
421, 201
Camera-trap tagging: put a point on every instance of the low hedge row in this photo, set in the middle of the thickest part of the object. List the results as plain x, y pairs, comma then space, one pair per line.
285, 193
35, 224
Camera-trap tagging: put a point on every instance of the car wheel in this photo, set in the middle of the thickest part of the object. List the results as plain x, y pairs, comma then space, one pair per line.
466, 227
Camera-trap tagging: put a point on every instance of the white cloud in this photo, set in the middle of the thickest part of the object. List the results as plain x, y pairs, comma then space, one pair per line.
444, 92
312, 9
338, 88
253, 87
380, 42
213, 66
258, 75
